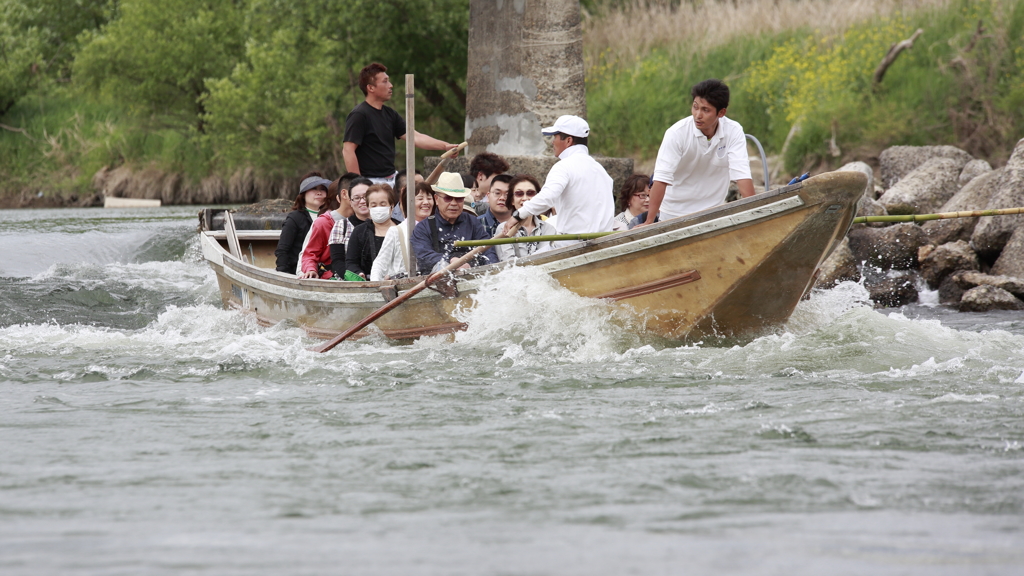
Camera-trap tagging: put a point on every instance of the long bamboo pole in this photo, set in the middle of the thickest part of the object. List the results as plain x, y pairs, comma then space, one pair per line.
410, 170
857, 220
528, 239
938, 216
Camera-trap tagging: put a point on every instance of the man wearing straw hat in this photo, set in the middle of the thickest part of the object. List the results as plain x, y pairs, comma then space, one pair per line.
371, 129
577, 187
433, 239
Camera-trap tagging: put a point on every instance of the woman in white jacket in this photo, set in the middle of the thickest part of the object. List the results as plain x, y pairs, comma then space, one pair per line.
390, 261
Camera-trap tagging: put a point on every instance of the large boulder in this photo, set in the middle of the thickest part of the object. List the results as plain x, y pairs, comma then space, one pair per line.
974, 196
1011, 259
839, 266
898, 161
892, 292
863, 168
993, 232
985, 298
967, 279
972, 170
925, 189
892, 247
937, 263
869, 207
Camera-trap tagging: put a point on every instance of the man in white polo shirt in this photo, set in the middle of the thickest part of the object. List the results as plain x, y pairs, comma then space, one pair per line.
577, 187
699, 156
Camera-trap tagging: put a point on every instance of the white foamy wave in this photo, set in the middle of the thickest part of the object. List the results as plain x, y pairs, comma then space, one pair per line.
155, 276
825, 306
969, 398
527, 313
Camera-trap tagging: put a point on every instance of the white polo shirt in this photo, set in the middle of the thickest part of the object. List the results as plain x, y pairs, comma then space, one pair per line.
698, 170
580, 190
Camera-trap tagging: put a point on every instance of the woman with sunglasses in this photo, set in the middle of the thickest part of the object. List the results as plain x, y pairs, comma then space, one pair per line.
634, 198
521, 188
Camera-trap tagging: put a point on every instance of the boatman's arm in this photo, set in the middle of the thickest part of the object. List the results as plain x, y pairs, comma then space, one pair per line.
670, 154
355, 130
657, 195
739, 165
545, 200
348, 152
424, 142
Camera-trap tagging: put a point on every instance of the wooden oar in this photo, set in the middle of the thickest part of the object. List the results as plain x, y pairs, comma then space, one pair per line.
939, 216
408, 294
432, 179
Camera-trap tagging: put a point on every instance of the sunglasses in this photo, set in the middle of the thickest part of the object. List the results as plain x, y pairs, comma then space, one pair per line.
529, 193
449, 199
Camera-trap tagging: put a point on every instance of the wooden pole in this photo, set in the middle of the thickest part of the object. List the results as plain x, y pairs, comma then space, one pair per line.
410, 172
939, 216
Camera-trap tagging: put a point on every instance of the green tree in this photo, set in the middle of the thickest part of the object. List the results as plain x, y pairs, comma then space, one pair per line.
157, 54
273, 110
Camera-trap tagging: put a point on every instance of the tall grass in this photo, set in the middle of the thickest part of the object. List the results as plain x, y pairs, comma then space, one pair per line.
808, 89
70, 136
623, 32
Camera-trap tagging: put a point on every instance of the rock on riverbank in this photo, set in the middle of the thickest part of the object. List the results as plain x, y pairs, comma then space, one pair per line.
977, 264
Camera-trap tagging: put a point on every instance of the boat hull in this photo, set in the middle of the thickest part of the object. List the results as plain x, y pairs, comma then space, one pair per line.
735, 271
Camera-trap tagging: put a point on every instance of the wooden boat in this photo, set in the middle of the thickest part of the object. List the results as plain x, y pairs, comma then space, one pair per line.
735, 271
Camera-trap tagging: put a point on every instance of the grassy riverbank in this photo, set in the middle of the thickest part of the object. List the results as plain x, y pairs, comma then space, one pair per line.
802, 72
268, 94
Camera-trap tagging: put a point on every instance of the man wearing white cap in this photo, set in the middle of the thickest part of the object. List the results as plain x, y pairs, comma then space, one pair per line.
577, 187
433, 239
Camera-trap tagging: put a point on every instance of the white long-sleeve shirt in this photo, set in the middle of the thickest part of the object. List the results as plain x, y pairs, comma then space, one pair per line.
580, 190
698, 170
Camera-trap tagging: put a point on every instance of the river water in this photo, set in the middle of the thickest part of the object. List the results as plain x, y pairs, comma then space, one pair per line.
144, 430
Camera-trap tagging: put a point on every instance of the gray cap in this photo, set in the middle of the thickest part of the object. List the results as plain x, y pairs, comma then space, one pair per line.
312, 182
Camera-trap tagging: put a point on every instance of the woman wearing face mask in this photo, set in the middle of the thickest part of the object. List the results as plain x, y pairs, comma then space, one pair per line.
390, 261
521, 188
368, 238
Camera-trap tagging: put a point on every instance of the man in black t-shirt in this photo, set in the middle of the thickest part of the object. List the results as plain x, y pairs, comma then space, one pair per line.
371, 129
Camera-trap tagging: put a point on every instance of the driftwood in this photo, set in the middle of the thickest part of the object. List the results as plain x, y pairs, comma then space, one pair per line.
891, 55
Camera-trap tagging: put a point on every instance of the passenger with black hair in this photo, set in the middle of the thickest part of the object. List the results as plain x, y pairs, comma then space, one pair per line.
367, 238
698, 157
357, 197
521, 189
482, 169
309, 203
497, 209
634, 199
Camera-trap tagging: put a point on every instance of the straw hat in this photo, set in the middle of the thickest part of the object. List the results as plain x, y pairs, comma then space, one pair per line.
451, 184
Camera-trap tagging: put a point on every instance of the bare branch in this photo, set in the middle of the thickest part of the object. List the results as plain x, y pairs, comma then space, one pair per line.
890, 57
13, 129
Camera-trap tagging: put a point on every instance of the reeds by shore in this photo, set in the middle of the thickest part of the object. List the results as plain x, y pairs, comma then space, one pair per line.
625, 32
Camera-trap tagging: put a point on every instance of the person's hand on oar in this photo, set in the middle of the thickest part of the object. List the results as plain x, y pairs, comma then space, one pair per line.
434, 277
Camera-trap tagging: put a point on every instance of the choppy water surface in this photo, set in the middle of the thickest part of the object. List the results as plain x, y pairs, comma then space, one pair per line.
146, 431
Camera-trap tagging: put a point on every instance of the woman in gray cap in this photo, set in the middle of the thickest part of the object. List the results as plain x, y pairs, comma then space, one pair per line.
309, 203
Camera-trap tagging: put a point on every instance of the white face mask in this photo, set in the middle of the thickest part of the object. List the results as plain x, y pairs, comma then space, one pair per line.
380, 214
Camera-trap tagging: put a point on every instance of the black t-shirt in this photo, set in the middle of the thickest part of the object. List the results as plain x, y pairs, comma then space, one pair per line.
355, 220
375, 132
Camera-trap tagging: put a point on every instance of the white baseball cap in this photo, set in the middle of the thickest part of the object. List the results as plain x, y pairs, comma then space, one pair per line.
570, 126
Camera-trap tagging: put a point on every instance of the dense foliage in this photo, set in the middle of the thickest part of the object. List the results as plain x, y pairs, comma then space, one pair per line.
811, 96
211, 86
204, 87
